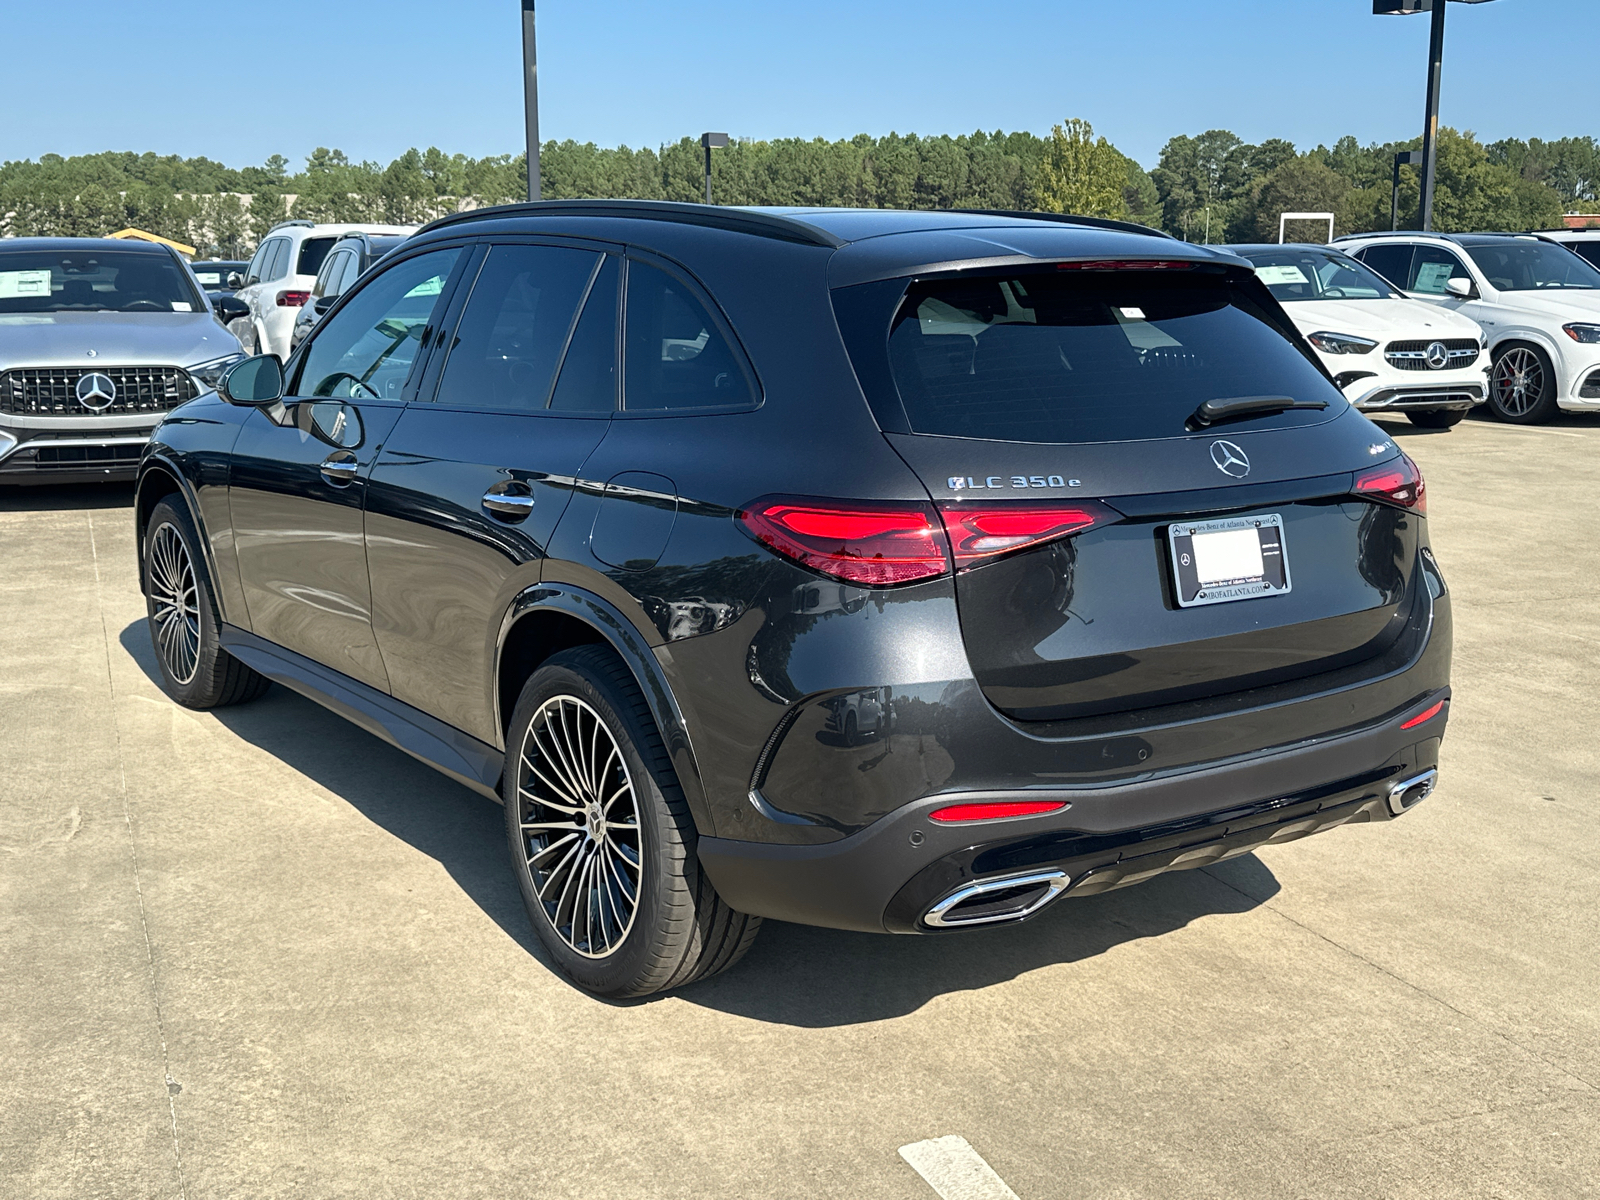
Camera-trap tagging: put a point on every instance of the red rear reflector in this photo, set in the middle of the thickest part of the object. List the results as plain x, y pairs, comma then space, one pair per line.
292, 299
979, 532
1398, 483
1128, 264
992, 812
860, 541
1425, 715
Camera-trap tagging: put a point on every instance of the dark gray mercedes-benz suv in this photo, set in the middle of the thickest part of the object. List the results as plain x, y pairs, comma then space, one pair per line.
895, 571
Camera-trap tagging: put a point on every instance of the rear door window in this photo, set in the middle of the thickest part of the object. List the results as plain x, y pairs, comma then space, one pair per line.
1088, 356
1392, 261
676, 358
515, 326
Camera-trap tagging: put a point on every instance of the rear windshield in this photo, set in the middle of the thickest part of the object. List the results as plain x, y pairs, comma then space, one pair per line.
1089, 356
33, 281
312, 252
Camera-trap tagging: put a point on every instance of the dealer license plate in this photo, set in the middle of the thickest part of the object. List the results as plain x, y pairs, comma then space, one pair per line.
1236, 558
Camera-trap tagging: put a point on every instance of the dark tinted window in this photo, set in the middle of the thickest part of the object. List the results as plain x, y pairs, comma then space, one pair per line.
1089, 356
278, 265
114, 280
1432, 268
588, 381
1392, 262
328, 277
312, 252
1527, 265
259, 263
676, 358
365, 350
515, 325
1589, 251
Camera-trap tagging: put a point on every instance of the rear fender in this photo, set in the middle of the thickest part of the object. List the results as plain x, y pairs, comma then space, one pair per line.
631, 646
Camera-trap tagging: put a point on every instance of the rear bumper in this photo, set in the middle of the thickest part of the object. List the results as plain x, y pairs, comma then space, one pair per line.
885, 878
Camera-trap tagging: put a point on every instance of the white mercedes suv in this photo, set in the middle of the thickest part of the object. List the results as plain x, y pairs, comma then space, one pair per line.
278, 280
1538, 303
1386, 353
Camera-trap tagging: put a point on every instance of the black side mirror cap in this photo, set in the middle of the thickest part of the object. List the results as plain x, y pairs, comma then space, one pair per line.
323, 303
254, 383
235, 280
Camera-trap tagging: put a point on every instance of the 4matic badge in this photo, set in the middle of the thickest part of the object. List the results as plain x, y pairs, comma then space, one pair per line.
975, 483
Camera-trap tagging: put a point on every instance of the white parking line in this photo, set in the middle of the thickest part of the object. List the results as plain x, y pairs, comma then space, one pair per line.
955, 1170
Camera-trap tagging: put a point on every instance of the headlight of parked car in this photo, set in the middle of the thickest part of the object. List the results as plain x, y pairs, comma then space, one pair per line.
209, 372
1341, 343
1583, 333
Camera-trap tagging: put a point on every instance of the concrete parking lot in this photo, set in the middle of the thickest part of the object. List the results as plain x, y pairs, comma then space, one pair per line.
259, 953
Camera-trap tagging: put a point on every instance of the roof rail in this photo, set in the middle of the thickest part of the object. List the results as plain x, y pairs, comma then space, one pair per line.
736, 220
1070, 219
1394, 233
286, 224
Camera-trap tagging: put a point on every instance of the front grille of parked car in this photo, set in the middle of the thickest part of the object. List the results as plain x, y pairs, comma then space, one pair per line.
52, 391
1413, 356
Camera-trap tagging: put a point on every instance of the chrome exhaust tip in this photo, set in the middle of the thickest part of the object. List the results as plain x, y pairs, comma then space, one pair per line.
1408, 793
1007, 899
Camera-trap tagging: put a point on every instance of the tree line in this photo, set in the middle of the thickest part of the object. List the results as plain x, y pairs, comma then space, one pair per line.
1211, 186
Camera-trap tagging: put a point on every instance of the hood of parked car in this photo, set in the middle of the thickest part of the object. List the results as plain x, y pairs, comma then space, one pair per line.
1568, 304
1381, 320
83, 339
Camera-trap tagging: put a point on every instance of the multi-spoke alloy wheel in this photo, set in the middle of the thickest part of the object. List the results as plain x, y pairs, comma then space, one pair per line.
174, 604
601, 836
1520, 386
580, 826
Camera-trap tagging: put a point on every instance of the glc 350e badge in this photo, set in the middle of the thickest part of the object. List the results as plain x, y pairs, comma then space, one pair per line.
96, 392
1230, 459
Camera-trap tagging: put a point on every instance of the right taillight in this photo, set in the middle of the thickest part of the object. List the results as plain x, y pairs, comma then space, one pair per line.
1398, 482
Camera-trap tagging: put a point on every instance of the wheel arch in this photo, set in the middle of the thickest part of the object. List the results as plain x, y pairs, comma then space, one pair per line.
550, 617
158, 479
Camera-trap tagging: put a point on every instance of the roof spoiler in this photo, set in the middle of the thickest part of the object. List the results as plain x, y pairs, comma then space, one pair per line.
1070, 219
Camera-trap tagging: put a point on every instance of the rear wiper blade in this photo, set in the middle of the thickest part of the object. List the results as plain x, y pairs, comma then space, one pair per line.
1232, 408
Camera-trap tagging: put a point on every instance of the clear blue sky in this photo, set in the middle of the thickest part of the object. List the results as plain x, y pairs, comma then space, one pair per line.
238, 82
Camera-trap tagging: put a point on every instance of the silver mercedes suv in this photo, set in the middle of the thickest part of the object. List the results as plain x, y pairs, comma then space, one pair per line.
99, 339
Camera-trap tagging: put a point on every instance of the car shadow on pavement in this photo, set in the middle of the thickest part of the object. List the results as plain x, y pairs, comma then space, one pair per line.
65, 497
456, 827
794, 975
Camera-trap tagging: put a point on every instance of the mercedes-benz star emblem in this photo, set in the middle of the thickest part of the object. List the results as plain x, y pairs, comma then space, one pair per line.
1230, 459
1438, 357
96, 392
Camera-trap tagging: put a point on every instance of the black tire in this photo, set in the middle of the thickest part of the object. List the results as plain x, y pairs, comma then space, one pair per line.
1438, 418
679, 929
1522, 385
852, 730
183, 617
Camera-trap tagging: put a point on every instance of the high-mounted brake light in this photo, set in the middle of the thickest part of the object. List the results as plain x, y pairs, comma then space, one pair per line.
995, 810
1424, 716
867, 542
292, 299
1128, 264
981, 532
1397, 482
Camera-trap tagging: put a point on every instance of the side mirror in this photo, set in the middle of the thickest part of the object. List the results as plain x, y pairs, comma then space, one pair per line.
1460, 288
255, 383
323, 303
235, 280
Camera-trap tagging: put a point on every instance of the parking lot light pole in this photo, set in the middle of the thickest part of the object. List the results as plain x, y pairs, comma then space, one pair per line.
708, 142
530, 97
1430, 120
1404, 158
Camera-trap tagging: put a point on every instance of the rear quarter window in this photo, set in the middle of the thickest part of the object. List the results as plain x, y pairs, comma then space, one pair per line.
1086, 356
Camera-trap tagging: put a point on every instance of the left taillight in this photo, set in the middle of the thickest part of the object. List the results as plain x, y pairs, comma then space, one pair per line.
980, 533
878, 544
292, 299
1398, 483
